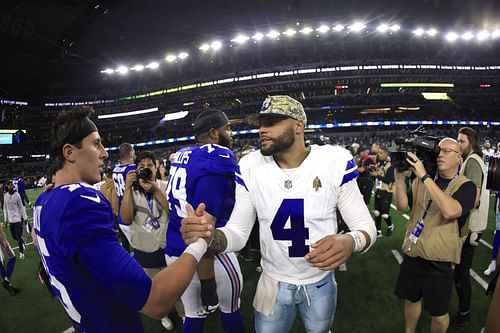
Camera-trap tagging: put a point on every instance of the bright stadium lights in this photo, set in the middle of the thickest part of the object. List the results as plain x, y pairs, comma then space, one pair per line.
306, 30
418, 32
273, 34
126, 114
467, 35
357, 26
451, 36
216, 45
416, 85
436, 96
495, 34
175, 115
322, 29
338, 28
137, 68
258, 36
182, 55
170, 58
204, 47
394, 27
122, 70
108, 71
482, 35
382, 28
431, 32
289, 32
153, 65
240, 39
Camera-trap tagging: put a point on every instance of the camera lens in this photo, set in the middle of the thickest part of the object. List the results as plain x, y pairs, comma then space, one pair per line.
493, 176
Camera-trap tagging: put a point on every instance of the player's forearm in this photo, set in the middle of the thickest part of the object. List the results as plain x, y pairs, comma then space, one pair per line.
161, 198
449, 207
126, 209
401, 196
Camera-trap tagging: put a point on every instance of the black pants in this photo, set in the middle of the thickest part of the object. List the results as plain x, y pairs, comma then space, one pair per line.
16, 230
462, 276
365, 187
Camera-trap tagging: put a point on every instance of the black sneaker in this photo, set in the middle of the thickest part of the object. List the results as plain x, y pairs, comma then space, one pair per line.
460, 320
12, 290
389, 230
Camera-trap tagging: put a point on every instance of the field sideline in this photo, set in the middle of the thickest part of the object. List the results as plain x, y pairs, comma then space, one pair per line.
366, 302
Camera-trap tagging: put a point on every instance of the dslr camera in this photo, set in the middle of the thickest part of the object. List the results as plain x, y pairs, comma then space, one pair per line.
424, 146
144, 174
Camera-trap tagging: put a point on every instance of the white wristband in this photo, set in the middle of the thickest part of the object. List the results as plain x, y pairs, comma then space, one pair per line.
359, 240
197, 249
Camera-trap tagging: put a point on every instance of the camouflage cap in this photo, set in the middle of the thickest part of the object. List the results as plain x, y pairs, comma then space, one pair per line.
283, 105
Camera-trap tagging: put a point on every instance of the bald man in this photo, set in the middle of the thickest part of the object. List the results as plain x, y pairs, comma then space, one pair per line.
434, 234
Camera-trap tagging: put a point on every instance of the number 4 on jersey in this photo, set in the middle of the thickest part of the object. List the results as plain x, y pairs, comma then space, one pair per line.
297, 233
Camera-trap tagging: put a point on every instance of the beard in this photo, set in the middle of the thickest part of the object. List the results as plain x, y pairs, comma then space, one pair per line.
225, 141
280, 143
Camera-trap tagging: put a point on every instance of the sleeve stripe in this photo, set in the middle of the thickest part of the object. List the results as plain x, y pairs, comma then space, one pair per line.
239, 180
349, 176
351, 164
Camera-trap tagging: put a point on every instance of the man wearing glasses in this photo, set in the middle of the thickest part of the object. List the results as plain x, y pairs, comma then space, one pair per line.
434, 234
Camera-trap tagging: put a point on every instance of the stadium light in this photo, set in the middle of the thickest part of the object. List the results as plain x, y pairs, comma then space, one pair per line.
436, 96
137, 68
451, 36
108, 71
216, 45
322, 29
122, 70
357, 26
170, 58
338, 28
175, 115
258, 36
431, 32
290, 32
382, 28
482, 35
306, 30
394, 27
467, 35
418, 32
273, 34
495, 34
183, 55
153, 65
126, 114
416, 85
240, 39
204, 47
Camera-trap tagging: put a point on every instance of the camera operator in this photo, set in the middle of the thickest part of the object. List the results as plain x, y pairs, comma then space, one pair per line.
365, 166
434, 234
384, 184
145, 208
473, 168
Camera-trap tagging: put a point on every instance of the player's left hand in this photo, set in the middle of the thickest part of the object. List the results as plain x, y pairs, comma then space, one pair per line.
330, 252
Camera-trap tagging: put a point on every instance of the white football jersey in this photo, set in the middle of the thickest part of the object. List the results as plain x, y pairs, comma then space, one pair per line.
298, 209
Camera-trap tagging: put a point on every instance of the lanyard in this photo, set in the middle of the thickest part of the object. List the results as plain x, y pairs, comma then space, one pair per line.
426, 209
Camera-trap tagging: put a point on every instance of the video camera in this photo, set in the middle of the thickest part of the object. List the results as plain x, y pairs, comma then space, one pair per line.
493, 174
424, 146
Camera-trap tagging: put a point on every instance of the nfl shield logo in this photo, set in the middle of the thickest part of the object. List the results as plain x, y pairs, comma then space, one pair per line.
288, 184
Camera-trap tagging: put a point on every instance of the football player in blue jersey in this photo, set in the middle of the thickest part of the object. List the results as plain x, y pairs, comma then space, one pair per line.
127, 163
101, 287
295, 192
206, 173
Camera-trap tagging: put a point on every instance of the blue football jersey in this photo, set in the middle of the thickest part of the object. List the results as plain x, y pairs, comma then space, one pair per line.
201, 173
99, 284
119, 177
19, 185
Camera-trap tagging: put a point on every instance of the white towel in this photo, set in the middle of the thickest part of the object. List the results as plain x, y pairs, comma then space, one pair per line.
265, 295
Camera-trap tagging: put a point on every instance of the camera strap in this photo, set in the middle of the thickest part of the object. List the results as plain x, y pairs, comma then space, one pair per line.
426, 209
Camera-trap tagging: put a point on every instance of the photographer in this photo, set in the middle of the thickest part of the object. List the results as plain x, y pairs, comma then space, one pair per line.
145, 208
384, 183
434, 234
365, 181
473, 168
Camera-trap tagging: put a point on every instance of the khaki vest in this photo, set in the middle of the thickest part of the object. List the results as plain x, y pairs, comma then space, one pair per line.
441, 239
382, 171
140, 238
478, 217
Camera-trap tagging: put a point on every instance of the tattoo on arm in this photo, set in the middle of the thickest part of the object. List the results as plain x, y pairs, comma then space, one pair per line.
219, 243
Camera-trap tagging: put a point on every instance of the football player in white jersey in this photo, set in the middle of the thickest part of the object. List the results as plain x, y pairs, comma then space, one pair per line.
295, 191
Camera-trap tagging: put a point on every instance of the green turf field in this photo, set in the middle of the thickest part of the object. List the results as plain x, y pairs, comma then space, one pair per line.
366, 302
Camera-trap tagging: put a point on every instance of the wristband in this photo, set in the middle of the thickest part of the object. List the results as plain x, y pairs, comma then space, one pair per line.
424, 177
197, 249
359, 240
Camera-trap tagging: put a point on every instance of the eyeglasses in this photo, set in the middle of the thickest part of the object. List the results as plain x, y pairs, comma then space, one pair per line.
447, 151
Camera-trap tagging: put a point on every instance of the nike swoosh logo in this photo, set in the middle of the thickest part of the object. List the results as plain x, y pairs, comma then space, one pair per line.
225, 156
321, 285
95, 199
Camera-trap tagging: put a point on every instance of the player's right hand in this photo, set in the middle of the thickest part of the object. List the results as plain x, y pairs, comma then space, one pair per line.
197, 224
